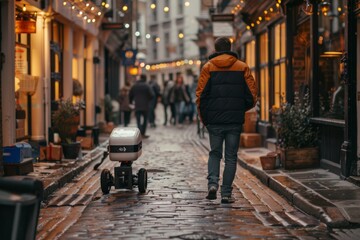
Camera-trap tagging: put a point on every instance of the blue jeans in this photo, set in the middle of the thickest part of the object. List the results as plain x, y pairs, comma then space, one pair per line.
218, 134
141, 120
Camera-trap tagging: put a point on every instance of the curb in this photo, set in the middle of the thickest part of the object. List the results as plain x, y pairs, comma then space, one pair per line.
301, 197
71, 173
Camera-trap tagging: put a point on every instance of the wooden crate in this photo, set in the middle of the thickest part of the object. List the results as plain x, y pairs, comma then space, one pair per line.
250, 140
298, 158
23, 168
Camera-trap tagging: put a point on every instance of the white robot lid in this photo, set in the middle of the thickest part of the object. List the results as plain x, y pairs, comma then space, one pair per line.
125, 132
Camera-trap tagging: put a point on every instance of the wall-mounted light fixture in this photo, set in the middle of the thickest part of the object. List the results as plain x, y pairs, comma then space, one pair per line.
307, 8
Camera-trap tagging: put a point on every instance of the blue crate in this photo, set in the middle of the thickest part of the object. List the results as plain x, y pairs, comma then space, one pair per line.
13, 154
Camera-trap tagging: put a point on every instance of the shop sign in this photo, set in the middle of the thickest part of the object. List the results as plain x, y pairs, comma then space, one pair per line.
112, 26
25, 26
129, 57
223, 25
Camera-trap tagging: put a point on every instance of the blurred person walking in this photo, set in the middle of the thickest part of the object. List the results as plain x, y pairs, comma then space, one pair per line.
141, 94
125, 109
168, 85
179, 97
153, 104
225, 91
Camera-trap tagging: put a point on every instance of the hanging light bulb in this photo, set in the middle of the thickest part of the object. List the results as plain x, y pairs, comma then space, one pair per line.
24, 8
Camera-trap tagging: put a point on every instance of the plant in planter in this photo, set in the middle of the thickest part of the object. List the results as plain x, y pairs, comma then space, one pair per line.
65, 122
297, 136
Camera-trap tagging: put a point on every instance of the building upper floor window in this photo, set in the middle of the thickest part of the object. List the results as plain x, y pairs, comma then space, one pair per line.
180, 7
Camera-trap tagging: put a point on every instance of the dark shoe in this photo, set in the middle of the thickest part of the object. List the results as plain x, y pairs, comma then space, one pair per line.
211, 193
145, 136
227, 200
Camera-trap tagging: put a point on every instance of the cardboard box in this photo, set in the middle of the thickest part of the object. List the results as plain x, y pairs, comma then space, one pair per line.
250, 122
86, 142
54, 152
250, 140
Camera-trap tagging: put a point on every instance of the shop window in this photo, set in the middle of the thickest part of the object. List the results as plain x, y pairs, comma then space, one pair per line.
56, 66
279, 64
331, 44
180, 7
22, 82
167, 44
264, 77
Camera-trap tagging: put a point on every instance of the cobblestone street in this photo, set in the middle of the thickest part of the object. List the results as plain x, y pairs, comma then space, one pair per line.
174, 206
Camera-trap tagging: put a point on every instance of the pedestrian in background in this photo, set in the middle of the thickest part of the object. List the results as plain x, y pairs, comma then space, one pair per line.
225, 91
125, 109
165, 99
179, 97
153, 104
141, 94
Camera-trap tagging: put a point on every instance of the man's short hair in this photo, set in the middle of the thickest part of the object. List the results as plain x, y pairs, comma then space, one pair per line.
222, 44
143, 77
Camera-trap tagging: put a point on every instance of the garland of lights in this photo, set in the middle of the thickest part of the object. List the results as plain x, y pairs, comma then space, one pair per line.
158, 66
86, 10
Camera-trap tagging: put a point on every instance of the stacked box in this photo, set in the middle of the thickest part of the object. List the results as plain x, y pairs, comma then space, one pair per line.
250, 122
86, 142
53, 152
250, 140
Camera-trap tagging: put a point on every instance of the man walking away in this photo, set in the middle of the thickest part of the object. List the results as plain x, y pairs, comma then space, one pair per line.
141, 94
225, 91
165, 98
156, 89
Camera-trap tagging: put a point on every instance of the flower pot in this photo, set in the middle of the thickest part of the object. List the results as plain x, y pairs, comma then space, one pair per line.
298, 158
268, 162
71, 150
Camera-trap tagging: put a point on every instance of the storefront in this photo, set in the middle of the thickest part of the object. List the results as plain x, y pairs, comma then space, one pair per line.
295, 46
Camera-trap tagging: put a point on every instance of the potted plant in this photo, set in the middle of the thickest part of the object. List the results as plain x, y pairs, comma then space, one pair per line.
65, 122
297, 137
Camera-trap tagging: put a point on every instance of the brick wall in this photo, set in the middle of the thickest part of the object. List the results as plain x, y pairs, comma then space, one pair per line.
301, 60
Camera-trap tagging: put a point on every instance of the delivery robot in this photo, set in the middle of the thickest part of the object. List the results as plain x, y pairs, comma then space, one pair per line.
125, 146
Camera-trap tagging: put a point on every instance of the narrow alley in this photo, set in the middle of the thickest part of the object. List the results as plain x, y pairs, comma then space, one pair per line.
174, 206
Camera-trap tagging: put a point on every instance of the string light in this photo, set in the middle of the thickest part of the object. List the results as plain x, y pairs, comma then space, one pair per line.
88, 11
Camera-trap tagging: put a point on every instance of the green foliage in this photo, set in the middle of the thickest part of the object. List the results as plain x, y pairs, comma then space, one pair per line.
292, 122
66, 120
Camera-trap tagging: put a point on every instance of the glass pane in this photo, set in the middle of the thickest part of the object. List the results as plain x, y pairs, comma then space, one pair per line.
57, 90
283, 81
277, 86
57, 63
264, 48
283, 40
24, 38
250, 54
264, 96
331, 45
277, 41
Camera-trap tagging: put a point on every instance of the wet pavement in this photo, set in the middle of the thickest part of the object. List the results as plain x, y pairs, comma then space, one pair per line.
174, 206
303, 204
318, 192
